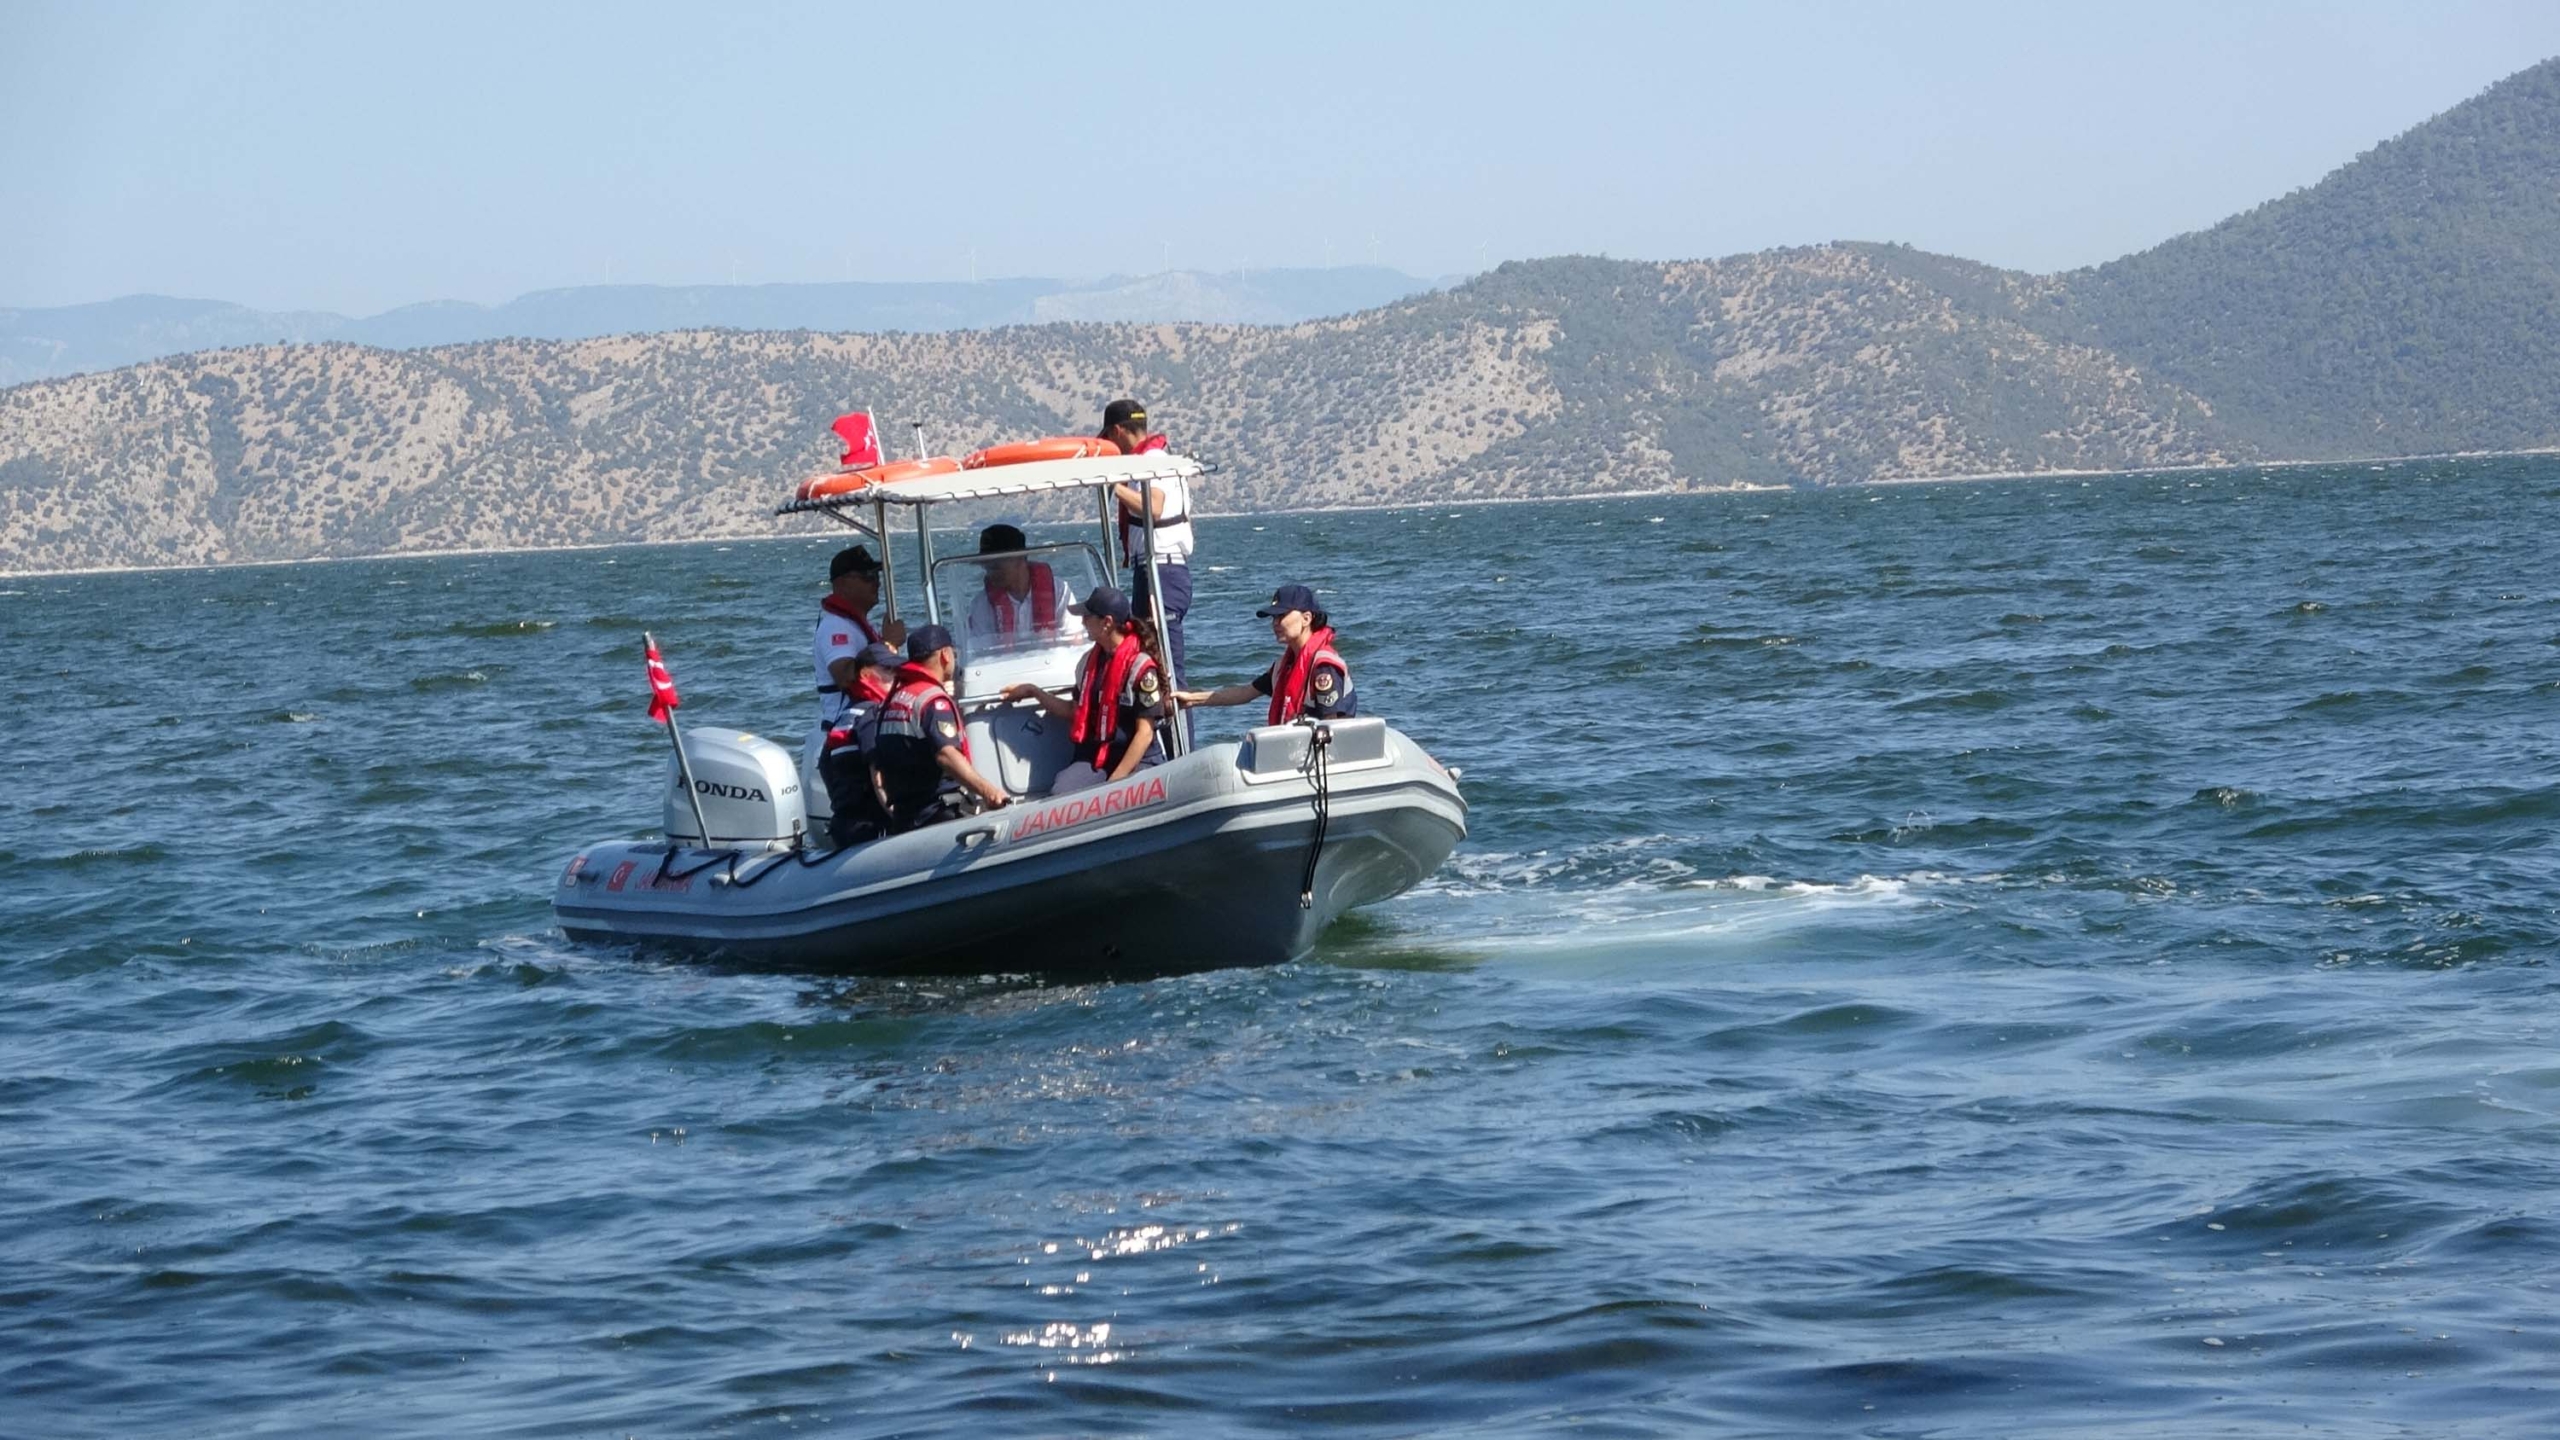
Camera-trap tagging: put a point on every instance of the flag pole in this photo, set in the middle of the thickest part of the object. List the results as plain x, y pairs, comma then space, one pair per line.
684, 767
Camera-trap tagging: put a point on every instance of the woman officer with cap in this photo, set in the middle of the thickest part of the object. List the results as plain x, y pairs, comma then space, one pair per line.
1310, 678
1120, 699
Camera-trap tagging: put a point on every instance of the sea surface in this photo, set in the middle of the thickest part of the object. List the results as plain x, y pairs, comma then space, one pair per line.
2059, 957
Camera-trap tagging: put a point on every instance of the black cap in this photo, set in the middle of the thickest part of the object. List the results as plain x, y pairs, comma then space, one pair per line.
1107, 602
1000, 537
1124, 412
852, 560
878, 656
1288, 598
923, 640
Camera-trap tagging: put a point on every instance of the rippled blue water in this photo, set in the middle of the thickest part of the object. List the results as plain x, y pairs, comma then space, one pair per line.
2060, 957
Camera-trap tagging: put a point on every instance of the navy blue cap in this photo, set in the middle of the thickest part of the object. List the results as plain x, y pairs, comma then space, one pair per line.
923, 640
1288, 598
1003, 537
1107, 602
878, 656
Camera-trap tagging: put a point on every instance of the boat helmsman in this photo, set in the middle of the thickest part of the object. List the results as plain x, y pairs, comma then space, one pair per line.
1020, 601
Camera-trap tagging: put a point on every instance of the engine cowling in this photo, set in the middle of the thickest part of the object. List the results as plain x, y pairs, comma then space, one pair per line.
749, 788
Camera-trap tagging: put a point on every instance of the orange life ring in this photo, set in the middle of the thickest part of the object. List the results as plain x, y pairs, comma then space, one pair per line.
845, 482
1056, 447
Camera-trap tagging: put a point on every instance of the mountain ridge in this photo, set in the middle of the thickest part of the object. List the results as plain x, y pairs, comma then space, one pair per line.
2407, 303
46, 343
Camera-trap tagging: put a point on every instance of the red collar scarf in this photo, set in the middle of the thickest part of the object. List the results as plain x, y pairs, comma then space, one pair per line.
1289, 678
834, 606
1043, 597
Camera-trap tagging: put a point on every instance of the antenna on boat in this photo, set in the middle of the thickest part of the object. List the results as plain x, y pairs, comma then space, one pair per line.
918, 427
1177, 741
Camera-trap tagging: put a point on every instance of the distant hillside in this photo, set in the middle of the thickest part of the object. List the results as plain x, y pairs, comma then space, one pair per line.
1560, 377
40, 344
2408, 303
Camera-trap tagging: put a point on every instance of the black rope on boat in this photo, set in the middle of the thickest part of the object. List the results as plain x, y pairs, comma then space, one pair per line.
667, 871
1320, 762
741, 882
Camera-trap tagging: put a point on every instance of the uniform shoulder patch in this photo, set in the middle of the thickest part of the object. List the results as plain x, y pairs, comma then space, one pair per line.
1327, 679
1150, 686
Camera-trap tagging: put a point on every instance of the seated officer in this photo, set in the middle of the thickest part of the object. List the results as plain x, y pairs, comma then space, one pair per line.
1310, 678
1020, 600
1120, 699
845, 764
921, 760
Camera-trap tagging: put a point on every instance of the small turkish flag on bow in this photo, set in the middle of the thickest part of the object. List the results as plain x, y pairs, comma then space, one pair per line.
663, 699
861, 440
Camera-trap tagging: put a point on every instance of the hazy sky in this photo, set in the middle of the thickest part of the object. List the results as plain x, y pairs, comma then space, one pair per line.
356, 156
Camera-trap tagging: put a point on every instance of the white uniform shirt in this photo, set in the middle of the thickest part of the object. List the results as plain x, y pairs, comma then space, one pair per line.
838, 639
1173, 541
986, 633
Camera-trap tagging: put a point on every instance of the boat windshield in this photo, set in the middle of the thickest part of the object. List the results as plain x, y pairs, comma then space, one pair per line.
1020, 604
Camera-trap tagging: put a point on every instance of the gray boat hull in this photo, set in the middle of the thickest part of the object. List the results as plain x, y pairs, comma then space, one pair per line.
1195, 864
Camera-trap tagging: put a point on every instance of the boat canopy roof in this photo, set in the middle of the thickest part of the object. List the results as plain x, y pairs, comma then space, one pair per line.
1034, 477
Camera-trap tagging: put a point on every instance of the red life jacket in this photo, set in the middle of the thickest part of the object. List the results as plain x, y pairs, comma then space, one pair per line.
1098, 698
866, 691
1044, 601
834, 606
902, 714
1290, 674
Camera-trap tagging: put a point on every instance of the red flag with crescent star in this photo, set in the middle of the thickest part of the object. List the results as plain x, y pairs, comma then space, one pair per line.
861, 440
663, 699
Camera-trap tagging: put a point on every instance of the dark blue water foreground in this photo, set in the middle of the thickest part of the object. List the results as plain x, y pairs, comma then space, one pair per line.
2048, 958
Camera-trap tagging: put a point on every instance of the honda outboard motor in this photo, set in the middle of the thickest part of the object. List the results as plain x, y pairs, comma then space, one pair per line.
749, 789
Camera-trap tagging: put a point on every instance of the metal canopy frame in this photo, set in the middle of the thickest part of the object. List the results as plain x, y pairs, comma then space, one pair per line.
996, 482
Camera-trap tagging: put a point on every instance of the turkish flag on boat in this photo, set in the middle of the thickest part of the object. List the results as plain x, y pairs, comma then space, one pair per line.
861, 440
663, 699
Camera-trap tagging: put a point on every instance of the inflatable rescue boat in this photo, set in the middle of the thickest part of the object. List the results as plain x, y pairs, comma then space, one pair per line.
1237, 853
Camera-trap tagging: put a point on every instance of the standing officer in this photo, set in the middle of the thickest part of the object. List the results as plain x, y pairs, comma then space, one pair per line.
922, 756
845, 629
1125, 422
